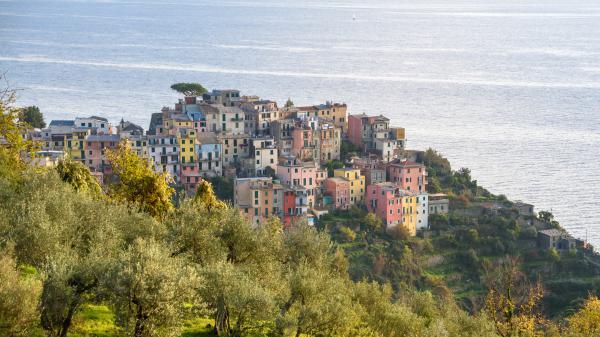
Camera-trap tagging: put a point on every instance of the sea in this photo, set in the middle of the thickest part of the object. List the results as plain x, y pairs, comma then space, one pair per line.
509, 89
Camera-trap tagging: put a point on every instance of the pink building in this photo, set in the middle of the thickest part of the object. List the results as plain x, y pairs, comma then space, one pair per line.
393, 205
363, 129
190, 177
303, 143
294, 172
339, 191
96, 146
409, 175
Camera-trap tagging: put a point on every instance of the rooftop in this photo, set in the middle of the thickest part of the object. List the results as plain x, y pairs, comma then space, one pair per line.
99, 118
62, 122
103, 138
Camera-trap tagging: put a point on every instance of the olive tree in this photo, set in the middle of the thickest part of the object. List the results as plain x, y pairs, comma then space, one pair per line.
150, 289
19, 297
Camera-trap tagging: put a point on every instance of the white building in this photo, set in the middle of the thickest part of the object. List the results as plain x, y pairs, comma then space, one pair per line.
164, 151
422, 211
99, 125
265, 155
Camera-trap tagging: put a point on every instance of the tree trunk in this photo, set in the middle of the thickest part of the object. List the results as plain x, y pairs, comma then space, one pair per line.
66, 324
222, 327
139, 322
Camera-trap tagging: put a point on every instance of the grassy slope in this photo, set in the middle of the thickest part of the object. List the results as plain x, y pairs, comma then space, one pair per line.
567, 280
98, 321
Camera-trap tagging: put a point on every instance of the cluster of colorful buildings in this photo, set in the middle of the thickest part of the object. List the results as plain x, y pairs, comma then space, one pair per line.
276, 154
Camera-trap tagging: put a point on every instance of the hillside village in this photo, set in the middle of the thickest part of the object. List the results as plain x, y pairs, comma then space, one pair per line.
398, 217
279, 156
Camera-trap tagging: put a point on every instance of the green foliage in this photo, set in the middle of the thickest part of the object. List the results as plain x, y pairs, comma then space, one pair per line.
586, 322
157, 270
78, 176
19, 297
189, 89
548, 218
95, 320
348, 234
151, 289
347, 150
223, 187
205, 195
289, 103
138, 184
12, 144
441, 178
32, 116
332, 165
512, 302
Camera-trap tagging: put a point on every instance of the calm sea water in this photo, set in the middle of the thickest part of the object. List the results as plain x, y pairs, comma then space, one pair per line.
510, 89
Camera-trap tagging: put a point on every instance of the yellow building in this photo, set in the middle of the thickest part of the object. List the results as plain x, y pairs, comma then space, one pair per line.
186, 138
409, 212
335, 112
174, 122
356, 182
74, 144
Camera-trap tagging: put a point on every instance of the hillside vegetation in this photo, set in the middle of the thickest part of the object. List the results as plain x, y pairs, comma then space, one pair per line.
80, 260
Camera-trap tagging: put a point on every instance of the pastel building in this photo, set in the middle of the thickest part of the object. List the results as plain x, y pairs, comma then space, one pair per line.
225, 97
173, 122
334, 112
393, 205
281, 130
186, 139
254, 198
438, 203
411, 176
98, 125
328, 142
190, 176
422, 200
295, 203
260, 114
235, 147
363, 129
265, 155
339, 190
60, 127
356, 183
74, 144
303, 144
373, 134
209, 159
96, 146
226, 119
164, 152
295, 173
